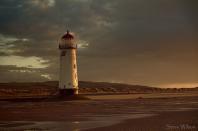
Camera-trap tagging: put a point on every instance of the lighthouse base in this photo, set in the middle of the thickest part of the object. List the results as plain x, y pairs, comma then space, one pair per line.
68, 92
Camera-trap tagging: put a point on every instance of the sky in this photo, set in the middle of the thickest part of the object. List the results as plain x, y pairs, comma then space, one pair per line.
144, 42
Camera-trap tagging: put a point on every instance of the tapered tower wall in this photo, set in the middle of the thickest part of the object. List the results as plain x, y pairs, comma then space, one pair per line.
68, 77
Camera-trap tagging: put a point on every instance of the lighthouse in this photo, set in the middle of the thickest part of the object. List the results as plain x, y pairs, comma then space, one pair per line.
68, 77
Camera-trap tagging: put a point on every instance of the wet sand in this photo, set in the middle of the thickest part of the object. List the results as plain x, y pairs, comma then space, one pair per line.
109, 112
164, 121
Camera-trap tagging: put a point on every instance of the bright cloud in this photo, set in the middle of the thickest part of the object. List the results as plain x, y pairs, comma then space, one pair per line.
43, 4
47, 76
28, 62
82, 44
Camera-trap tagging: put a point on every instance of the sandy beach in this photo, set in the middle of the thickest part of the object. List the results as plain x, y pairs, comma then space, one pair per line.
104, 112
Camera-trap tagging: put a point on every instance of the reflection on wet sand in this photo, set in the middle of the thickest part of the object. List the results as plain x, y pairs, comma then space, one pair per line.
96, 121
88, 114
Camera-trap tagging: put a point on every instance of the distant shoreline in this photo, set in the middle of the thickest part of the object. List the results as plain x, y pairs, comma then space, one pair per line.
50, 89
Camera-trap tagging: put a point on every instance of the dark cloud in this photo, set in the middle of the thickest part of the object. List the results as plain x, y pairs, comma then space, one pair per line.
137, 41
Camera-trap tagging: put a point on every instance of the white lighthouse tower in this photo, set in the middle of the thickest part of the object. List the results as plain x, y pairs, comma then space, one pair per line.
68, 79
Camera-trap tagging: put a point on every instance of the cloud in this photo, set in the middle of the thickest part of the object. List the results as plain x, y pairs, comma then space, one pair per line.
135, 41
19, 61
7, 45
82, 44
47, 76
5, 40
11, 73
43, 4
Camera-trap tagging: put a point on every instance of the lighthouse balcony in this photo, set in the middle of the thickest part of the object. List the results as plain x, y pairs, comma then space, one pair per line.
74, 46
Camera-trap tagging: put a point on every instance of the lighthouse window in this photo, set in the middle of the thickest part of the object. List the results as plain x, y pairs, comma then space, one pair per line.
74, 65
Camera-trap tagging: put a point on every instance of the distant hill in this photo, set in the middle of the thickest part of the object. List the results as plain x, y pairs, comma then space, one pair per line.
51, 88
